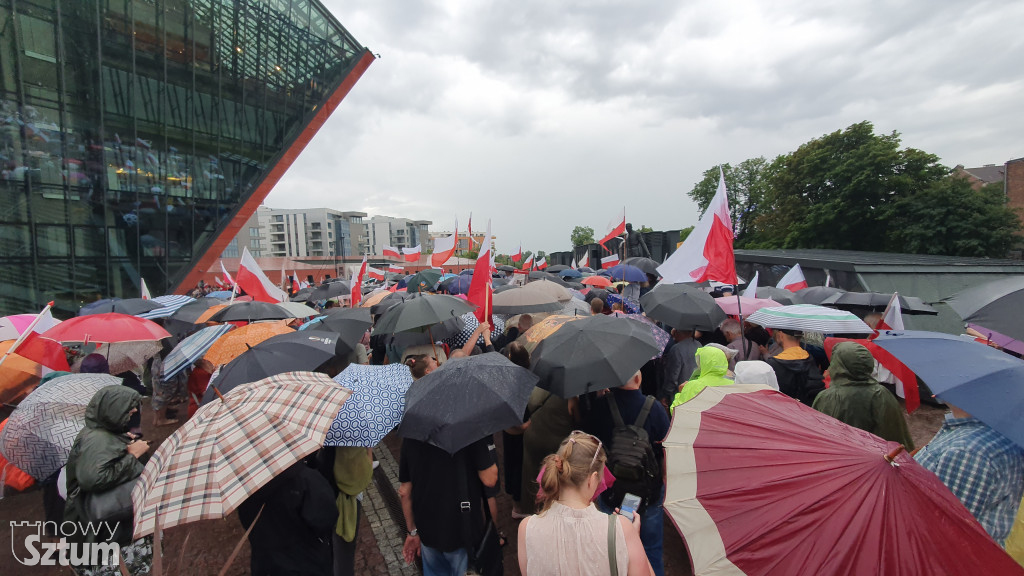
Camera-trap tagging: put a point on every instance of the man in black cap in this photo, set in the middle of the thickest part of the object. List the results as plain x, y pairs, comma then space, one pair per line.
795, 369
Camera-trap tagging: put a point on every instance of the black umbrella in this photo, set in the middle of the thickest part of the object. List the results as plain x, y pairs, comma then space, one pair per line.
556, 268
302, 295
129, 306
780, 295
349, 330
682, 307
465, 400
506, 268
540, 275
251, 312
592, 354
650, 267
596, 293
295, 351
521, 301
351, 313
875, 302
419, 314
330, 290
817, 294
994, 305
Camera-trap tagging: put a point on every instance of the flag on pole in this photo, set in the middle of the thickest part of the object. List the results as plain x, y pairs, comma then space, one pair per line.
518, 255
227, 277
609, 261
585, 262
41, 350
144, 289
396, 268
828, 279
375, 273
445, 247
412, 254
892, 319
357, 284
793, 280
481, 290
526, 267
391, 252
751, 291
295, 282
616, 228
574, 265
255, 283
706, 254
469, 231
542, 263
217, 280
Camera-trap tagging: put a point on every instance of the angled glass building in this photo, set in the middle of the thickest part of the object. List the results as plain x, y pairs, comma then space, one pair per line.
137, 136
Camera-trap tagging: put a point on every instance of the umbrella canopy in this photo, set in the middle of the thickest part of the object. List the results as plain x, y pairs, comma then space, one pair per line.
376, 405
504, 287
169, 304
231, 345
106, 327
543, 275
17, 375
121, 356
586, 269
596, 293
661, 337
994, 305
556, 268
350, 329
522, 301
190, 313
593, 353
302, 295
466, 399
423, 281
330, 290
460, 284
298, 309
780, 295
650, 267
597, 281
131, 306
574, 307
39, 434
628, 305
291, 352
627, 273
974, 377
421, 312
875, 301
570, 273
207, 314
506, 268
375, 298
817, 294
219, 294
103, 305
682, 307
743, 306
550, 288
13, 326
759, 484
251, 312
192, 348
809, 317
469, 324
230, 449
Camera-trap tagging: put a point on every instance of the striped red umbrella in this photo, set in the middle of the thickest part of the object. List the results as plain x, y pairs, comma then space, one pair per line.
758, 483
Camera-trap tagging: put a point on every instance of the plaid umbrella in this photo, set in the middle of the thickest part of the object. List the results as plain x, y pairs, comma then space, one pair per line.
171, 303
376, 405
39, 434
810, 317
230, 449
232, 345
192, 348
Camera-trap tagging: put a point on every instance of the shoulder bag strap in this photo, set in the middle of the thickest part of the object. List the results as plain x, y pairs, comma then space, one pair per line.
616, 416
465, 507
640, 419
613, 564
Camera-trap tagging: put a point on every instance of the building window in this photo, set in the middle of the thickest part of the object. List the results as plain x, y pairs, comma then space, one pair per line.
254, 231
278, 218
254, 244
232, 249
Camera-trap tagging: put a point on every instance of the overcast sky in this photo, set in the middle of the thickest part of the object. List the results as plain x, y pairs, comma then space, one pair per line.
543, 115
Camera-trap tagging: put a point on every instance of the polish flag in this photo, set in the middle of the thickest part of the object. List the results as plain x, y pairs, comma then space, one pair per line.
616, 228
391, 252
445, 247
527, 266
395, 268
574, 265
227, 277
217, 280
144, 289
609, 261
255, 283
469, 231
31, 345
793, 280
585, 262
542, 263
518, 255
893, 317
375, 273
481, 290
751, 291
357, 284
295, 282
412, 254
706, 254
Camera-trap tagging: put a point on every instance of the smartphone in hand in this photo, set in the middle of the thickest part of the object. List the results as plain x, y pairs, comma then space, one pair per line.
629, 505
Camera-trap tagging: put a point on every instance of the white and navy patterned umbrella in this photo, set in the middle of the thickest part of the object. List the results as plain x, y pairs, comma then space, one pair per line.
376, 405
459, 340
192, 348
39, 434
808, 317
170, 303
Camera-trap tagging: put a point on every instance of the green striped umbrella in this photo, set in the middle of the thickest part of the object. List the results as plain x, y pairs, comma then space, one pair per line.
808, 317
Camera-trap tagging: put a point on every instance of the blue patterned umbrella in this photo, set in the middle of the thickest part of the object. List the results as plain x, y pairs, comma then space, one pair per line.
192, 348
39, 434
629, 306
170, 303
375, 407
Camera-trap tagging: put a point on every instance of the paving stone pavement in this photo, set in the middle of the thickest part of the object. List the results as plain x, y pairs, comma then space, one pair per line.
389, 533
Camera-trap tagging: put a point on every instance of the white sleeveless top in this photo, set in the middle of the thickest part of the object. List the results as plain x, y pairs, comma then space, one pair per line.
568, 542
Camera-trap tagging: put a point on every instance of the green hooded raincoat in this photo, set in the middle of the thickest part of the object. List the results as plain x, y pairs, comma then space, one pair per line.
712, 366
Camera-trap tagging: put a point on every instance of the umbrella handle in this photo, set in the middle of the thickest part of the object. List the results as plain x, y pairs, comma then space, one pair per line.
891, 456
217, 392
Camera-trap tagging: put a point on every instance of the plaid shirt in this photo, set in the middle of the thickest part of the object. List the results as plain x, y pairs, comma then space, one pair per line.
983, 468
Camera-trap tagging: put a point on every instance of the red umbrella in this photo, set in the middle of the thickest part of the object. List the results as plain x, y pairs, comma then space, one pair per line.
106, 328
760, 484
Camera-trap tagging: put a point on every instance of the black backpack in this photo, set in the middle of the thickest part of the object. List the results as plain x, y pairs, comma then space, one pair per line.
631, 458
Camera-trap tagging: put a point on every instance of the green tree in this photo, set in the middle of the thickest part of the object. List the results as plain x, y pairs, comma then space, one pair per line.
646, 229
685, 233
746, 186
951, 218
581, 236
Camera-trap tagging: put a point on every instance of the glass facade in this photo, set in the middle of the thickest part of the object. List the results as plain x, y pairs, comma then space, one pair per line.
131, 131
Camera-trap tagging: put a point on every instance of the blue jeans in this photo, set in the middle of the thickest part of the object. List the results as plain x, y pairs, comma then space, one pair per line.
652, 533
438, 563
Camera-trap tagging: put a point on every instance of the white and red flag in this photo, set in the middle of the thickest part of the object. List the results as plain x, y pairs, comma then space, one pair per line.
609, 261
255, 283
227, 277
391, 252
542, 263
585, 262
357, 284
706, 254
616, 228
527, 266
412, 254
44, 351
396, 268
751, 291
144, 290
793, 280
445, 247
518, 255
375, 273
295, 282
218, 281
469, 231
481, 290
893, 317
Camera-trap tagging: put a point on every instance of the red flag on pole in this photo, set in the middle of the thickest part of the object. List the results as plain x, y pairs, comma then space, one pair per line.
617, 227
391, 252
609, 261
357, 285
481, 288
542, 263
445, 247
518, 255
794, 280
255, 283
706, 254
412, 254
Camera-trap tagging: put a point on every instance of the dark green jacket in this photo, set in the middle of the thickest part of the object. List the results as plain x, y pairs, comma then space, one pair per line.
857, 399
98, 460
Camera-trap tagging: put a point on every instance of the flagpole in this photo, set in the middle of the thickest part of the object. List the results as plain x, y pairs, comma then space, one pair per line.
24, 335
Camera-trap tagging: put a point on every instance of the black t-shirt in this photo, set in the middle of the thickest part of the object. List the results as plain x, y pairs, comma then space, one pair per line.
435, 490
